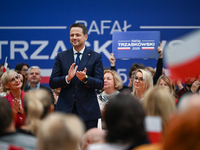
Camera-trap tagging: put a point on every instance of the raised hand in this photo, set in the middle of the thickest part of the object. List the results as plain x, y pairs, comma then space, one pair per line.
81, 74
112, 59
72, 71
160, 50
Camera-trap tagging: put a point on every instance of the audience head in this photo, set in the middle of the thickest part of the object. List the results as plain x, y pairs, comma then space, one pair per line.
34, 75
134, 67
142, 81
92, 136
190, 80
37, 104
159, 102
11, 80
124, 118
187, 101
112, 80
23, 67
22, 78
6, 116
60, 132
183, 131
165, 81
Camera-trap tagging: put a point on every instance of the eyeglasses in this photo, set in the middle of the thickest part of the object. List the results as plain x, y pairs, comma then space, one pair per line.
139, 79
17, 77
24, 70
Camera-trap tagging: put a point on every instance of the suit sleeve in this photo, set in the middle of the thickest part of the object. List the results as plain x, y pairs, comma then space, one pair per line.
57, 78
97, 81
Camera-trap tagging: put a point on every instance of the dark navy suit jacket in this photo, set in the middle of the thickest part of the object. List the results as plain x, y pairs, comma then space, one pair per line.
84, 94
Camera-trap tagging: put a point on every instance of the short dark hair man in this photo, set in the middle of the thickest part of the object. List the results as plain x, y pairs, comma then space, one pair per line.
78, 71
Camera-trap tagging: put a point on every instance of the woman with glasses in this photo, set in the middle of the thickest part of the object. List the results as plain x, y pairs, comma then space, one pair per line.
11, 80
142, 81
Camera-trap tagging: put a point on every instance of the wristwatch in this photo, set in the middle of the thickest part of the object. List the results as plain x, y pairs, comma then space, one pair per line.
85, 79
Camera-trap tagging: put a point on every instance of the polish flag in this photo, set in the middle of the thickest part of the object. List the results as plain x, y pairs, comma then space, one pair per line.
5, 67
183, 58
153, 127
124, 48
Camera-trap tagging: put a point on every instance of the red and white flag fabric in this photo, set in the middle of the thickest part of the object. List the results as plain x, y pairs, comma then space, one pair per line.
153, 127
5, 67
183, 59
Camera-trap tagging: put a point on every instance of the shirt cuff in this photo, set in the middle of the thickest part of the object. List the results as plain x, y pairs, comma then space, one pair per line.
68, 82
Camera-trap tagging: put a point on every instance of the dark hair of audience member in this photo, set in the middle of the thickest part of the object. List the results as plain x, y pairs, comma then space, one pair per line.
134, 67
6, 115
19, 66
124, 117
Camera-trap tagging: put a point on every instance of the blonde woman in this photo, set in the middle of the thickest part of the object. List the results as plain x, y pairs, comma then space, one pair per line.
159, 102
142, 81
165, 81
37, 105
11, 81
112, 84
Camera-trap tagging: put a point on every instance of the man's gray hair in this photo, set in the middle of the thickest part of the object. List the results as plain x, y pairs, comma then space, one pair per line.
34, 67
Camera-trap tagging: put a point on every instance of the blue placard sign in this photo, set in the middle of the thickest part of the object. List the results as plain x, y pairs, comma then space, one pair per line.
136, 44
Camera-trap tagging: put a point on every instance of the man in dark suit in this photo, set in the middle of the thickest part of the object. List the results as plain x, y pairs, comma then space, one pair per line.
78, 80
34, 77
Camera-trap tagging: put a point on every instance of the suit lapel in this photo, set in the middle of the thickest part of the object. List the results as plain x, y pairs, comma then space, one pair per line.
85, 58
70, 56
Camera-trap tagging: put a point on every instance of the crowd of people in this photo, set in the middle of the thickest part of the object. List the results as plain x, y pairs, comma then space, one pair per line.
87, 107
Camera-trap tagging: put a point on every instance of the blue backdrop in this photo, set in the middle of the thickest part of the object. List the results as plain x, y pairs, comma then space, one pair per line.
35, 31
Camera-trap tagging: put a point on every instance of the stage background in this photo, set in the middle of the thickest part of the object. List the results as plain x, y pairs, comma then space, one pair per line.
35, 31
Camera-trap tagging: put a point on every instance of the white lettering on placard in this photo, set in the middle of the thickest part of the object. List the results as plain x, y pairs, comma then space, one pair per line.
105, 25
42, 44
102, 48
126, 26
123, 75
22, 47
81, 21
116, 24
22, 50
2, 43
59, 45
96, 29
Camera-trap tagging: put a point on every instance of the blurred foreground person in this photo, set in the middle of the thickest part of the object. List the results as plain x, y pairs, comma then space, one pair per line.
183, 131
8, 133
60, 132
124, 118
37, 105
159, 102
93, 135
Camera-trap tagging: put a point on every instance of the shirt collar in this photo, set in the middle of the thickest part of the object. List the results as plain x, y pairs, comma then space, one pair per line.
36, 87
80, 51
